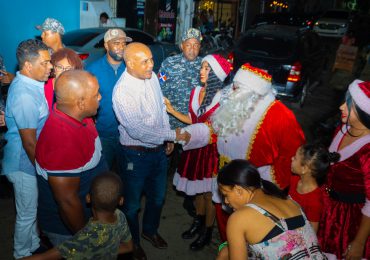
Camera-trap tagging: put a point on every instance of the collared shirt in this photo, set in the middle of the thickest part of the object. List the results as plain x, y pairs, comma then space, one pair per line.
179, 76
67, 147
26, 108
106, 121
140, 109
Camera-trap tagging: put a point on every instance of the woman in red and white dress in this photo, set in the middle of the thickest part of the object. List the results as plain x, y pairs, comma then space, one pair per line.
345, 223
198, 167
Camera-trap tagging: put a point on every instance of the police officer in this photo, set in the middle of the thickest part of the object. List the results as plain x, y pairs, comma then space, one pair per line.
179, 74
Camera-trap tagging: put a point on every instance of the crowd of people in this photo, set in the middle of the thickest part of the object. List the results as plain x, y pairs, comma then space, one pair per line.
83, 146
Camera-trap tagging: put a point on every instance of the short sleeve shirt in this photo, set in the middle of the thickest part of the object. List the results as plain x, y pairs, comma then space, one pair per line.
26, 108
66, 148
97, 240
178, 77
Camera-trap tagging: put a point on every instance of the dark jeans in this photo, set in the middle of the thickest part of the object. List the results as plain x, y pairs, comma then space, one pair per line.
111, 147
143, 173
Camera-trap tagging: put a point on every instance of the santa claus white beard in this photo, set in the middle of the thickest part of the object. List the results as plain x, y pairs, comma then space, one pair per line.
236, 106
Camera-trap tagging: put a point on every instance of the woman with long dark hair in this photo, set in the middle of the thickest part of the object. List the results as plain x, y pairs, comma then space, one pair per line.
197, 168
265, 223
345, 224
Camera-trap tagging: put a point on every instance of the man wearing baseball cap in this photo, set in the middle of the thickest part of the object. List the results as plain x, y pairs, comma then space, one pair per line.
108, 70
52, 31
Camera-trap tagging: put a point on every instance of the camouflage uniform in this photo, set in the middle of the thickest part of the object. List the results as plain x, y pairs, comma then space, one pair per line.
97, 240
178, 77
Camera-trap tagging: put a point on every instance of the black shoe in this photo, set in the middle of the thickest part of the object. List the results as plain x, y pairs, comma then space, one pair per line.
156, 240
203, 239
195, 227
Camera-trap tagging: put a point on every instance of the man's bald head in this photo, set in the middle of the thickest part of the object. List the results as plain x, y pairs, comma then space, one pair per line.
74, 89
133, 49
73, 84
139, 60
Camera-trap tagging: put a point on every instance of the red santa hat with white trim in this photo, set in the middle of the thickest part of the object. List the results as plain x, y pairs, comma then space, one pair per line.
220, 66
360, 93
253, 79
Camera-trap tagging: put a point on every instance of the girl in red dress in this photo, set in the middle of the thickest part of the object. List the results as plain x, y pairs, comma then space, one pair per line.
345, 223
310, 165
198, 168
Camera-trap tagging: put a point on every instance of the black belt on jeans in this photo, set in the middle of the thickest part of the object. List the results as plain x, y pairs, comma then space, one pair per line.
346, 197
143, 148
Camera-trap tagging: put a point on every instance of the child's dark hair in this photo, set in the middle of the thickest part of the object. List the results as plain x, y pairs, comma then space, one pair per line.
318, 159
105, 191
242, 173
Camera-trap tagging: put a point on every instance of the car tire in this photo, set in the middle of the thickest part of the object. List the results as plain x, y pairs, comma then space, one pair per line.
304, 93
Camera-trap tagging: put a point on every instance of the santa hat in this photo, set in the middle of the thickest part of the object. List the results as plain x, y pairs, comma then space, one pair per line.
360, 93
220, 66
253, 79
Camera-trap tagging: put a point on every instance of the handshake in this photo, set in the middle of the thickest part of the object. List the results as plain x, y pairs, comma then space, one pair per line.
182, 137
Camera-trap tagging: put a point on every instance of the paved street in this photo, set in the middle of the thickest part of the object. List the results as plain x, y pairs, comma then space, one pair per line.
322, 103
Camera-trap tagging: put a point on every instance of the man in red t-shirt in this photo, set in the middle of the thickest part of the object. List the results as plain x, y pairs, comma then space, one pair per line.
68, 156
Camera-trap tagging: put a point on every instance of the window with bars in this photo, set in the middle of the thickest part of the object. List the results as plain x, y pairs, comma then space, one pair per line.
113, 7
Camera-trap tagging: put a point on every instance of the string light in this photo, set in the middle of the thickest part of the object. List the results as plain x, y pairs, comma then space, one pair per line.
278, 4
206, 5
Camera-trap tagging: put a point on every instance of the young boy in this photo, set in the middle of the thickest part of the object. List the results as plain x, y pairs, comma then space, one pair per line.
106, 234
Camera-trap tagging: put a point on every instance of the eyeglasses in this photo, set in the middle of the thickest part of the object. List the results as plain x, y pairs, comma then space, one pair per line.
61, 68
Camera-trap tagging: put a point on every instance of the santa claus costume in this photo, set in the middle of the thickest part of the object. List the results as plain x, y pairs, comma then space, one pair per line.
251, 124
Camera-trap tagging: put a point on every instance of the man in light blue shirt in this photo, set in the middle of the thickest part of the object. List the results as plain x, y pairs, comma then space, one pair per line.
25, 114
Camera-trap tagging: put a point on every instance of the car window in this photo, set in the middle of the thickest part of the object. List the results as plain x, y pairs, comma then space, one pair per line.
337, 14
136, 37
78, 38
268, 46
142, 37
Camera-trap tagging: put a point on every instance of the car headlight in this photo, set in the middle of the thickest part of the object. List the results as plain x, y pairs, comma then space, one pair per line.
344, 25
317, 23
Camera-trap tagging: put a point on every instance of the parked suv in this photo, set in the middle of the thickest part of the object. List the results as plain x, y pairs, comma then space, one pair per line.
294, 57
334, 23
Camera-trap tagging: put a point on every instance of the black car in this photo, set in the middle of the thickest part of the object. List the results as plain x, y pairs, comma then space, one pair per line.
294, 57
299, 20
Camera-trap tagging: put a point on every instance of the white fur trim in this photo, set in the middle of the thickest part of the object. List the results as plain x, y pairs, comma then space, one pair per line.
200, 135
252, 82
360, 98
216, 67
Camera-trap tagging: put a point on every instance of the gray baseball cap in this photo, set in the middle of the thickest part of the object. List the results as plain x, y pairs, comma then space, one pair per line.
116, 33
52, 25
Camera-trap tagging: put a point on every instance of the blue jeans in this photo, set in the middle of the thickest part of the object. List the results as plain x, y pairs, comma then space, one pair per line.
111, 147
26, 237
143, 173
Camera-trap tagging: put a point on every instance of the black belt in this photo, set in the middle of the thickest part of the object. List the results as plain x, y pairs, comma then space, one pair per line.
143, 148
346, 197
